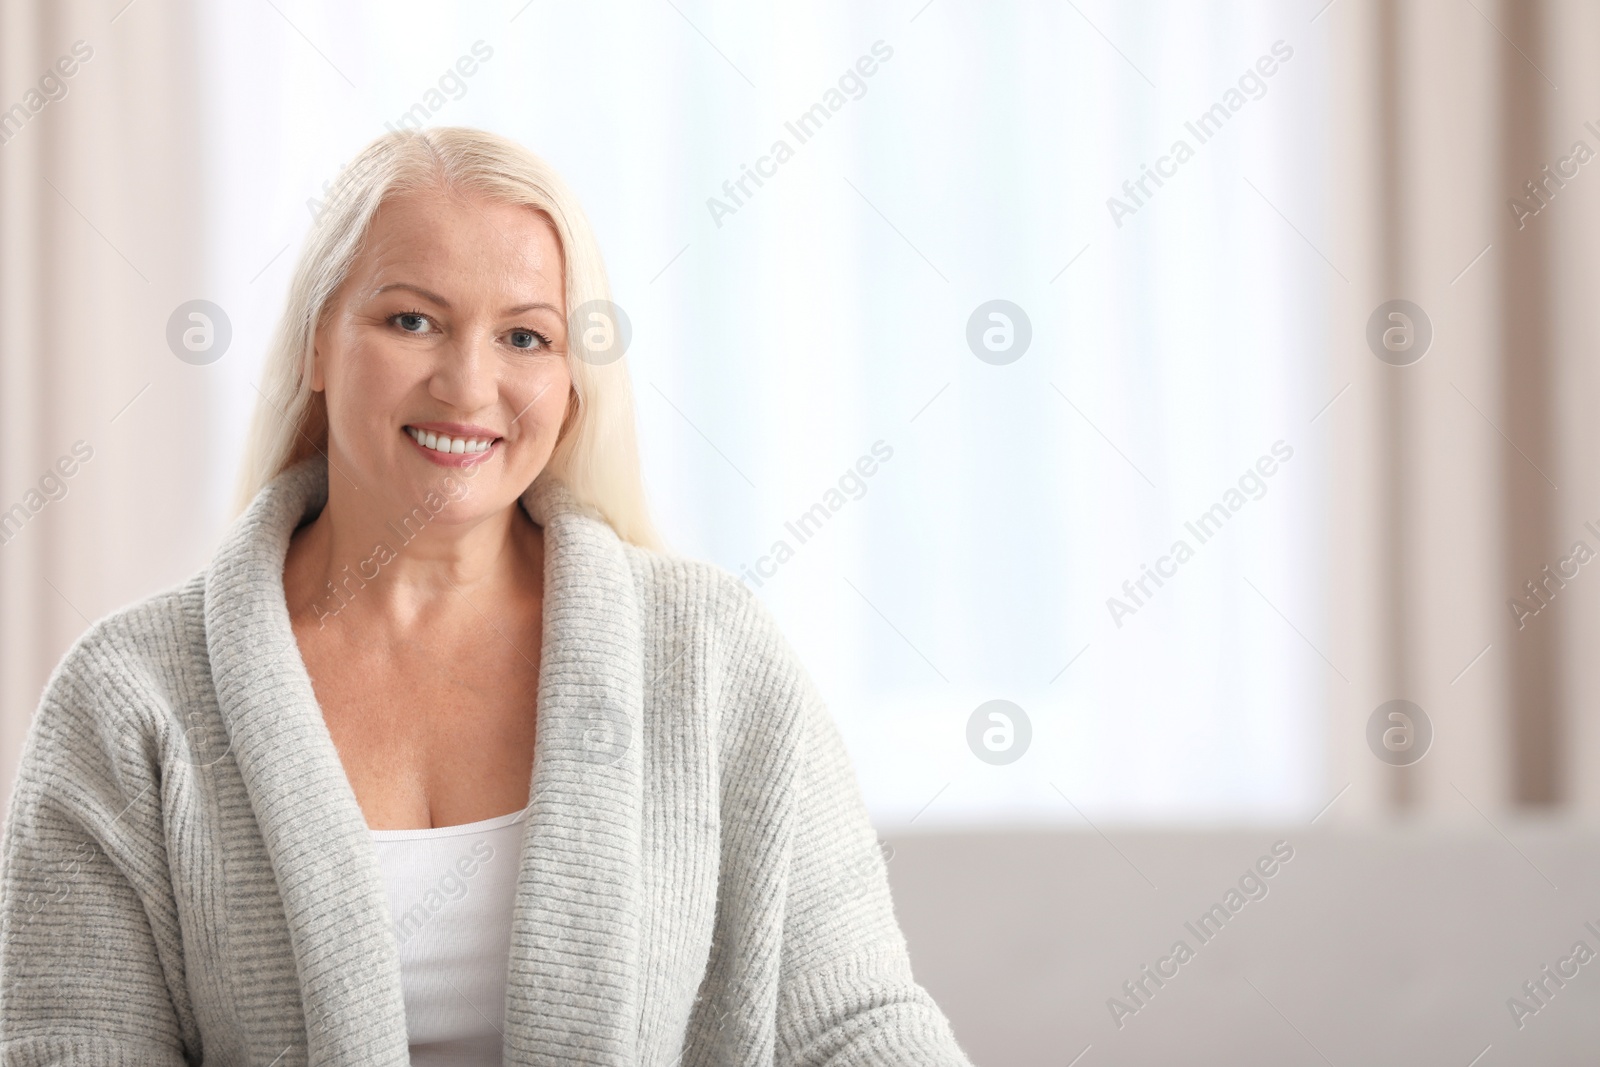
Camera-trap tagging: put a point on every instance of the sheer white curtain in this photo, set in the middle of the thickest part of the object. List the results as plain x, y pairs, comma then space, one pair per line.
962, 155
935, 530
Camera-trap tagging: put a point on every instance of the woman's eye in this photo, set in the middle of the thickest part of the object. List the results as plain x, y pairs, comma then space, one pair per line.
526, 339
411, 322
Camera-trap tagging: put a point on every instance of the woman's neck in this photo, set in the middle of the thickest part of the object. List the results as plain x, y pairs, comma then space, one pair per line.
409, 570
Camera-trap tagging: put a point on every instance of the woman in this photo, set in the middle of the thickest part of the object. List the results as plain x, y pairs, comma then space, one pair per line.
443, 759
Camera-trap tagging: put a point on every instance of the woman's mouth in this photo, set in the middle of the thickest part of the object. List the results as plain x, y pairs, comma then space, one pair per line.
451, 450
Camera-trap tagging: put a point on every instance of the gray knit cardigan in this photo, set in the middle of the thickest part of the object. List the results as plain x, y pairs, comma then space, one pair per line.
188, 878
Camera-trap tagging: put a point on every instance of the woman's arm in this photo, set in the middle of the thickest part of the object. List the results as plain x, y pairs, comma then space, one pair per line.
846, 993
84, 890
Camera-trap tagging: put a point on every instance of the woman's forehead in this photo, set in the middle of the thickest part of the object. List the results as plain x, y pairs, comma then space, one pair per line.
449, 238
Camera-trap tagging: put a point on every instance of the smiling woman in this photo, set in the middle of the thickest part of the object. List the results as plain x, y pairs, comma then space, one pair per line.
249, 804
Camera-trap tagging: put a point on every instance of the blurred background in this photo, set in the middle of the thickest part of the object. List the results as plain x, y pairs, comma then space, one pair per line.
1229, 369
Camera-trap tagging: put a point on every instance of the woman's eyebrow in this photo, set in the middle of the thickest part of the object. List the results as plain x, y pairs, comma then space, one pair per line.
442, 302
419, 290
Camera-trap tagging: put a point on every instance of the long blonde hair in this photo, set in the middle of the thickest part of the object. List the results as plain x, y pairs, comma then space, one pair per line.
597, 453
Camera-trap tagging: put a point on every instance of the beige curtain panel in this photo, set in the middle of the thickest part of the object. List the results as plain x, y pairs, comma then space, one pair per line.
1459, 516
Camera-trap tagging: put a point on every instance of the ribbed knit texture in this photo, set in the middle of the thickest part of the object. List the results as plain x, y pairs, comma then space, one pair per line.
188, 878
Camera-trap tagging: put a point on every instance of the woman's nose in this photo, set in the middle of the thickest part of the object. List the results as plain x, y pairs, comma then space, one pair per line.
466, 377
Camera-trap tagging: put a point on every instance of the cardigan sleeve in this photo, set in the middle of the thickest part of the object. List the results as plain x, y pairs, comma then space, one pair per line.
846, 994
83, 890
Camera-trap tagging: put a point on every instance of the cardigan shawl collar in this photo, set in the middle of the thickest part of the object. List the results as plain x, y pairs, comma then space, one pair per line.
586, 774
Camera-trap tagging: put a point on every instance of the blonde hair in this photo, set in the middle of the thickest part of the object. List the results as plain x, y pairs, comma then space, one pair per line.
596, 455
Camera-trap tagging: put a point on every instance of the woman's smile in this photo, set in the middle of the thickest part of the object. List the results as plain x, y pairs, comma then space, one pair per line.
451, 444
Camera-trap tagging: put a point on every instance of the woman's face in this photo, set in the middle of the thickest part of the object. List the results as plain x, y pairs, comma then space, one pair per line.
449, 333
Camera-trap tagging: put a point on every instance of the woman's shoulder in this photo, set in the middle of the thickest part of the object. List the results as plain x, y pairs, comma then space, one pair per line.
686, 599
697, 586
697, 592
146, 654
109, 709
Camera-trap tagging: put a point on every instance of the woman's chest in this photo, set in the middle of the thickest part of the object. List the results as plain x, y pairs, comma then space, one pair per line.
652, 818
433, 741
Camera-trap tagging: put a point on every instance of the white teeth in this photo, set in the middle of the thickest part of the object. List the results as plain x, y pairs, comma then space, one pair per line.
454, 445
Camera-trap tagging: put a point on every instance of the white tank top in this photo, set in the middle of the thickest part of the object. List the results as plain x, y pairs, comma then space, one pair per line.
451, 889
